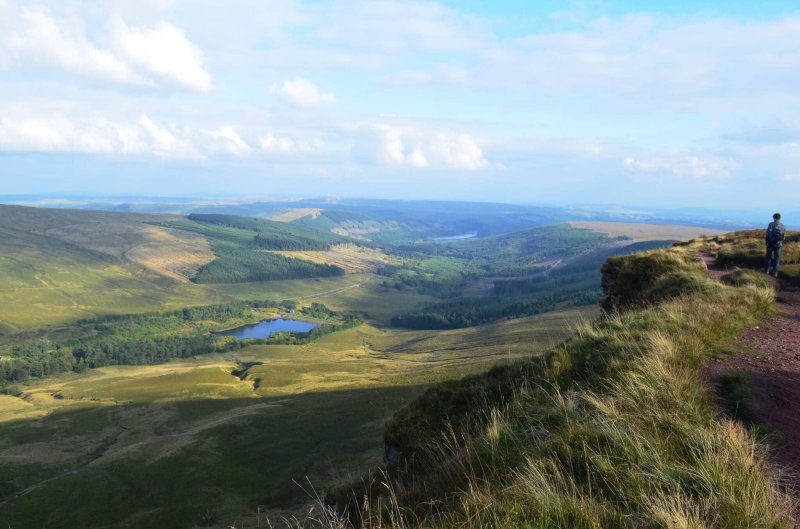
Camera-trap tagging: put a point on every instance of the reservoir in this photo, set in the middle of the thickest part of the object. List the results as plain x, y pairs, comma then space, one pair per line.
461, 237
265, 328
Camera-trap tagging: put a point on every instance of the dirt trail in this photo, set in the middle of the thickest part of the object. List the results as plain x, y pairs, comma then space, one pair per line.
770, 357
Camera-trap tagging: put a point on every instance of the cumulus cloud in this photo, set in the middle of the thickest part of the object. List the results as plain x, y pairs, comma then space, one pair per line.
415, 146
97, 136
56, 134
151, 56
276, 144
304, 143
226, 139
37, 35
684, 166
162, 52
301, 93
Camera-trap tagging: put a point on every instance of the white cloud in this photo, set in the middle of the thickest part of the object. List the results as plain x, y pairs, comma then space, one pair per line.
415, 146
276, 144
37, 35
162, 52
96, 136
162, 141
56, 134
301, 93
228, 140
302, 144
159, 55
684, 166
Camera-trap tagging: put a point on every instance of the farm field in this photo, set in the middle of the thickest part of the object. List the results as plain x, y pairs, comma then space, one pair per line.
67, 439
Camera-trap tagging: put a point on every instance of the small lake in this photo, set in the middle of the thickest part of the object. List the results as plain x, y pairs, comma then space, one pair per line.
265, 328
461, 237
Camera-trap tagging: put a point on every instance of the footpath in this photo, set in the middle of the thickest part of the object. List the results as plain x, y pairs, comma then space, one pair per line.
769, 360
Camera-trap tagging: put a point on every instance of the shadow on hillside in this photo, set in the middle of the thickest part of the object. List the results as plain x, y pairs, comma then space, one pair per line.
158, 465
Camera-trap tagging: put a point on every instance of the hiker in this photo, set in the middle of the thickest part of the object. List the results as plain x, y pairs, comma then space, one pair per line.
776, 232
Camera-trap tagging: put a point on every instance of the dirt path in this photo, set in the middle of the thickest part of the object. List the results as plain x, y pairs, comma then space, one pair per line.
770, 359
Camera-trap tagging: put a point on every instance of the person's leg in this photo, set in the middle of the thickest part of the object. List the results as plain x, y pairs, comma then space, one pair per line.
777, 264
768, 259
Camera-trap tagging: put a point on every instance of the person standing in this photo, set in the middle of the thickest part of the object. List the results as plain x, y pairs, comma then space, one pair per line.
776, 232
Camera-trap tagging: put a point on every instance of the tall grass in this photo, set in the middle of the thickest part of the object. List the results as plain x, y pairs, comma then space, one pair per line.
614, 429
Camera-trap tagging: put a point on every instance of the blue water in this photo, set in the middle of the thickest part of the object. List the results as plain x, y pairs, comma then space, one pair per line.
455, 237
264, 328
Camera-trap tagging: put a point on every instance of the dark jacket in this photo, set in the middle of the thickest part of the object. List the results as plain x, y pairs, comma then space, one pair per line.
776, 232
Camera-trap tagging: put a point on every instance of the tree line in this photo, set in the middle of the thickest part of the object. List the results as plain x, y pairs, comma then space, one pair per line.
132, 340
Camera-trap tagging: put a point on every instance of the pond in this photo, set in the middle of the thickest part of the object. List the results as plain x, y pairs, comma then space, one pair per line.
265, 328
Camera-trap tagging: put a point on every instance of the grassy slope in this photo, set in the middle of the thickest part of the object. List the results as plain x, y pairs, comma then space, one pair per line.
116, 432
613, 429
46, 281
57, 266
747, 248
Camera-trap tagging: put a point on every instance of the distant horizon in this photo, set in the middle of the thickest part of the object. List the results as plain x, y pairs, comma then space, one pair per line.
696, 216
244, 198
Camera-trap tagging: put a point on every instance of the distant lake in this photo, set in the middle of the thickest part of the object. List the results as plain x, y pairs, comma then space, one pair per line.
455, 237
265, 328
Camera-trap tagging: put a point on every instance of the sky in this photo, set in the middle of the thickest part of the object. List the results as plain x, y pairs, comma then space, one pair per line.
670, 104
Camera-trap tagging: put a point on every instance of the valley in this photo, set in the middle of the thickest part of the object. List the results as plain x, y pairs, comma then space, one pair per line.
112, 382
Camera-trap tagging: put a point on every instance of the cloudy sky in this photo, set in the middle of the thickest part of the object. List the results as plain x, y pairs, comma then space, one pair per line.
535, 101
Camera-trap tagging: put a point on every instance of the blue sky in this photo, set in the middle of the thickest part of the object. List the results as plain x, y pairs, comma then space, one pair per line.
669, 104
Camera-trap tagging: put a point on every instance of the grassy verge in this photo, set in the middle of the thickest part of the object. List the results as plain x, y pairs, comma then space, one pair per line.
613, 429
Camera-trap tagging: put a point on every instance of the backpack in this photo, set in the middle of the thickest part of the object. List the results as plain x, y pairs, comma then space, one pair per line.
776, 234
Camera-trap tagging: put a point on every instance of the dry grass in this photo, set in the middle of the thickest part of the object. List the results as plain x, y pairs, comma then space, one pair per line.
296, 213
349, 257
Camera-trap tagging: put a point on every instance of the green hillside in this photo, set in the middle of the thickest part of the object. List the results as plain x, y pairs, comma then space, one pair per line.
58, 266
240, 249
272, 235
